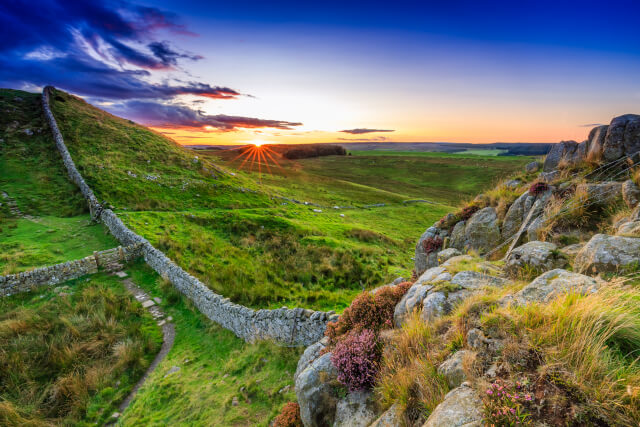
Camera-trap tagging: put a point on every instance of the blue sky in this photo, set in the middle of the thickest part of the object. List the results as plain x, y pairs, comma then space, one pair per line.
229, 72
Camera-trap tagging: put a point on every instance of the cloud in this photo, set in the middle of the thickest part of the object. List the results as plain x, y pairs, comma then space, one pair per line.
591, 125
94, 48
365, 130
374, 139
175, 116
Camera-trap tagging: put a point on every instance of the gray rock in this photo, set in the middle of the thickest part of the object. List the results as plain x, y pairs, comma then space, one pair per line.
572, 250
316, 394
482, 232
630, 194
602, 192
356, 409
433, 306
532, 167
629, 229
513, 183
473, 280
552, 284
607, 253
480, 343
446, 254
424, 260
541, 256
533, 231
461, 407
453, 368
457, 240
310, 354
549, 176
516, 214
559, 152
623, 137
392, 417
596, 142
416, 294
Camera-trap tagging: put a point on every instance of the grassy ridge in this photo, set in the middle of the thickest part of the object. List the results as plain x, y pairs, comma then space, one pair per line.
70, 354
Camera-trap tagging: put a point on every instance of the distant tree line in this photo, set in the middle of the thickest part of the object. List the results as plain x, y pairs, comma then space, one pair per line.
316, 150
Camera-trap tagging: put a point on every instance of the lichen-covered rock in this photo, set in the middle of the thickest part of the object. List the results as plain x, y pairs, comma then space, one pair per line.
316, 394
630, 194
310, 354
447, 253
453, 369
539, 256
572, 250
557, 153
623, 137
392, 417
461, 407
433, 305
416, 294
482, 232
532, 167
534, 229
596, 142
629, 229
608, 253
356, 409
516, 214
457, 239
424, 260
602, 192
480, 343
473, 280
552, 284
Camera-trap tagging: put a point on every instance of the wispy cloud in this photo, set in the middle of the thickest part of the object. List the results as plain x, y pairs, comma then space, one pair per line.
591, 125
176, 116
374, 139
360, 131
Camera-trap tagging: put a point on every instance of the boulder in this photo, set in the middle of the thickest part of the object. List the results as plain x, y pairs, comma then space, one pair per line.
608, 253
453, 369
601, 192
534, 229
596, 142
316, 393
572, 250
413, 299
549, 176
422, 259
447, 253
513, 183
532, 167
540, 256
623, 137
457, 240
356, 409
310, 354
551, 284
629, 229
482, 232
473, 280
461, 407
630, 193
479, 342
557, 154
516, 214
392, 417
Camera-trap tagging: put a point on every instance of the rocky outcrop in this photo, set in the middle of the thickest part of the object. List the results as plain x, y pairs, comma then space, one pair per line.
447, 254
551, 284
596, 142
461, 407
601, 192
416, 294
453, 369
392, 417
423, 259
629, 229
316, 392
622, 138
630, 194
473, 280
562, 151
356, 409
608, 253
310, 354
480, 232
532, 167
536, 255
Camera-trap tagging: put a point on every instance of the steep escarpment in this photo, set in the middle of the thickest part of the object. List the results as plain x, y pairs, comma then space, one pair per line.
522, 310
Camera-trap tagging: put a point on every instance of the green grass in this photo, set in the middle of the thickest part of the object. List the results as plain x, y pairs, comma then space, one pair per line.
26, 244
491, 152
70, 354
214, 367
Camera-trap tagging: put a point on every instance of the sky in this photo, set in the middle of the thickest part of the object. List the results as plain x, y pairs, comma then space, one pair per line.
212, 72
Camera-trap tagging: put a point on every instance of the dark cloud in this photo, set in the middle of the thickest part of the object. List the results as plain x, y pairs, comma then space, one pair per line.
374, 139
591, 125
365, 130
182, 116
85, 47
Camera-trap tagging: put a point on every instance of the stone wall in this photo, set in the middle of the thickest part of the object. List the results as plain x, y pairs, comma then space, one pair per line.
53, 274
286, 326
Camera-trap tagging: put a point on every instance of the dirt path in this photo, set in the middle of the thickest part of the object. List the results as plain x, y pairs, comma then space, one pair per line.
168, 334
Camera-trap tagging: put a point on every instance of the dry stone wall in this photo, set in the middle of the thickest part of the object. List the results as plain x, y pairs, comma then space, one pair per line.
51, 275
286, 326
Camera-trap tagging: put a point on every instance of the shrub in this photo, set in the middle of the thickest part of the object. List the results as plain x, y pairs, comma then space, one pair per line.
367, 311
432, 244
504, 404
538, 188
289, 416
357, 359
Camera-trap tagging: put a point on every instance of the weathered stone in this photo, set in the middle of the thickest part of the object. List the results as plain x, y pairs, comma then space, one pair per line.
516, 214
596, 142
457, 239
557, 153
601, 192
356, 409
549, 176
552, 284
473, 280
433, 305
513, 183
310, 354
422, 259
315, 393
480, 343
539, 256
414, 297
534, 229
608, 253
630, 193
446, 254
482, 232
623, 137
572, 250
392, 417
532, 167
453, 369
629, 229
461, 407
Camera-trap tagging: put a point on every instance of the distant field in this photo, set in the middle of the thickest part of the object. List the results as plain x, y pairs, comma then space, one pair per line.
493, 152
